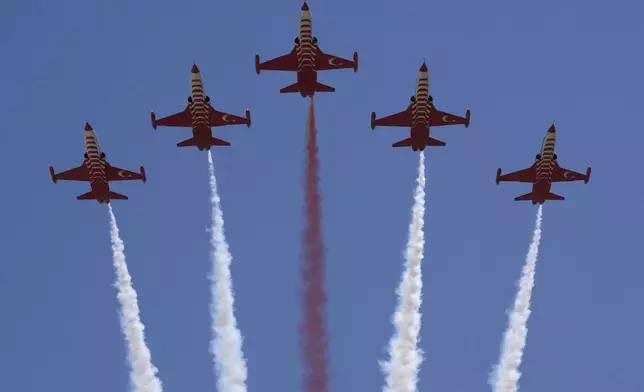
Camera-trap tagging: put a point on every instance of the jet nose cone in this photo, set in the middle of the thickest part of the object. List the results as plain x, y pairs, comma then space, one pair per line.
552, 129
423, 68
195, 69
88, 127
305, 7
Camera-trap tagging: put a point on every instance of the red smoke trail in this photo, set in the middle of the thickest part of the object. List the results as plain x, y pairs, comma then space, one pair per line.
313, 336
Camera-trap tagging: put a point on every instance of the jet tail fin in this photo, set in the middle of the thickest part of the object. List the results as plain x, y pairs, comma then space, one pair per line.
194, 142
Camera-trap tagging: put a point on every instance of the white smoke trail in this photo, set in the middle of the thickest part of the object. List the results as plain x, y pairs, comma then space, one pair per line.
404, 355
226, 343
505, 377
143, 375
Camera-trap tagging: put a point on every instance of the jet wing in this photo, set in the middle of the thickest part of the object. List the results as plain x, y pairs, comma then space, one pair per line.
114, 173
287, 62
181, 119
525, 175
439, 118
218, 119
560, 174
79, 173
400, 119
325, 62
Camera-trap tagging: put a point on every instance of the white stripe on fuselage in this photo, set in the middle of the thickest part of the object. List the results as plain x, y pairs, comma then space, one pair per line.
420, 107
546, 165
95, 165
305, 51
198, 106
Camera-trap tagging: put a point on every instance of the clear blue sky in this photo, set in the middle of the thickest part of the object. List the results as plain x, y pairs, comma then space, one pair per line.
518, 65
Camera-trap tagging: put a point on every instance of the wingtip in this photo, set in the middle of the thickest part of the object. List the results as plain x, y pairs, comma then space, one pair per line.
53, 174
355, 61
144, 178
257, 69
153, 119
588, 171
373, 120
248, 118
498, 176
467, 118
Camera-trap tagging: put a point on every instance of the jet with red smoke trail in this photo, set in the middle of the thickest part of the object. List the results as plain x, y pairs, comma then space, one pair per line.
97, 171
420, 115
306, 59
200, 116
543, 172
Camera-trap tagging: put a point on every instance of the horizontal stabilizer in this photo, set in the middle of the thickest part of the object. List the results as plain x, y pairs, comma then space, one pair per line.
403, 143
323, 88
408, 142
116, 196
527, 196
194, 142
86, 196
434, 142
293, 88
554, 196
530, 196
112, 196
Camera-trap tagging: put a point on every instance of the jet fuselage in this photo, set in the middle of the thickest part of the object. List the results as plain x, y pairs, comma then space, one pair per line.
198, 103
95, 163
545, 166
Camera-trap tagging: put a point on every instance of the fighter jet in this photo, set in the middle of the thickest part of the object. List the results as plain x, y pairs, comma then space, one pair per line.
200, 116
420, 115
543, 172
97, 171
307, 59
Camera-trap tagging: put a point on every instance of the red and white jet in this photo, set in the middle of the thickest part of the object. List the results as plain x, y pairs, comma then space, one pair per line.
200, 116
97, 171
420, 115
543, 172
306, 59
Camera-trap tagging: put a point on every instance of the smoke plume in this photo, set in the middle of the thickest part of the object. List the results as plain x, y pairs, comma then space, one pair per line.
313, 335
143, 374
404, 355
226, 343
506, 376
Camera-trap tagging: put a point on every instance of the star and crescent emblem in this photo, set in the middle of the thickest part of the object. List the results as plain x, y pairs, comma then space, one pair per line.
334, 62
124, 174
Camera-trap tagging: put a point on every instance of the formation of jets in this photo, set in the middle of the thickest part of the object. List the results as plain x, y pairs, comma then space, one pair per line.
306, 59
